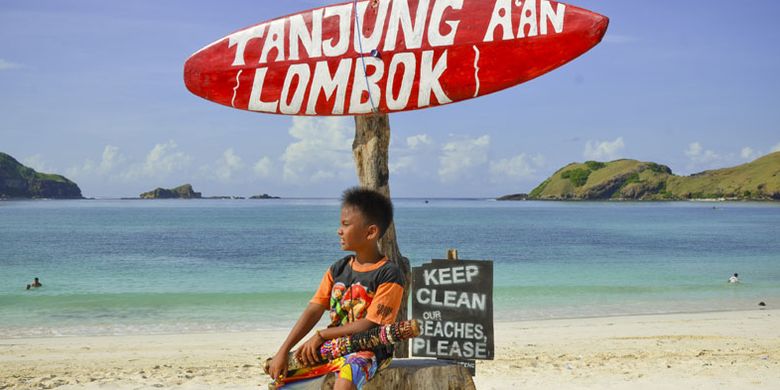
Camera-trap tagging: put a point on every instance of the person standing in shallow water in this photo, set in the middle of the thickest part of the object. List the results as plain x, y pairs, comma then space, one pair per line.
36, 283
734, 278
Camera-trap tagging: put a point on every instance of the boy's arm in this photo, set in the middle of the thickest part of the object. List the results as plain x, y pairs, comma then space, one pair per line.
347, 329
310, 316
309, 351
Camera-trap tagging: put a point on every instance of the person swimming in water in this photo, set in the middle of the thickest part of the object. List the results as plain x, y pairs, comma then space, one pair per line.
734, 278
36, 283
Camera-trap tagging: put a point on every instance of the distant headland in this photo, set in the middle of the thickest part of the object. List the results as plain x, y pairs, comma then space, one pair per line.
185, 191
637, 180
20, 182
264, 196
181, 192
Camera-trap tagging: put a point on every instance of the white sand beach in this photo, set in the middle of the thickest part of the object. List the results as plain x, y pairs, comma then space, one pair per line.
720, 350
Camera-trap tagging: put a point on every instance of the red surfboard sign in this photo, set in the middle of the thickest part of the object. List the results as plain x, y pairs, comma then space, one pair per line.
390, 55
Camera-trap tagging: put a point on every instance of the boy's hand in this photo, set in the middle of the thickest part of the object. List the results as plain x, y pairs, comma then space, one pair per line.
278, 367
309, 353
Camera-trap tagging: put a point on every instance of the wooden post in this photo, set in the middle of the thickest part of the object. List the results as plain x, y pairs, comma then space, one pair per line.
370, 149
452, 254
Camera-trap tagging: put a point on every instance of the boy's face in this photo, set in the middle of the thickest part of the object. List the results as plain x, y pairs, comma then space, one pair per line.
355, 233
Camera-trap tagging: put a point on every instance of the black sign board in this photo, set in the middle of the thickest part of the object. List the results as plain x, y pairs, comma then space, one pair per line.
453, 300
470, 365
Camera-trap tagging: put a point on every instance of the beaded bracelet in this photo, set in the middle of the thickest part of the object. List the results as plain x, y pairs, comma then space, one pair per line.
363, 341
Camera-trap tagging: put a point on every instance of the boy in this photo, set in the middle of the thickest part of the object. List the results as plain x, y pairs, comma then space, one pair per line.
361, 291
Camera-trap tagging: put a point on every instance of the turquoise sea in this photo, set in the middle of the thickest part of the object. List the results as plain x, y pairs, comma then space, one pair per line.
143, 267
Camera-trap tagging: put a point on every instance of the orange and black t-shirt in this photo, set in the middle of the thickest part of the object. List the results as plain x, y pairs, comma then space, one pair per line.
353, 291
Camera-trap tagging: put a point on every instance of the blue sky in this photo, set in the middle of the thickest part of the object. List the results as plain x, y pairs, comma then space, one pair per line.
93, 90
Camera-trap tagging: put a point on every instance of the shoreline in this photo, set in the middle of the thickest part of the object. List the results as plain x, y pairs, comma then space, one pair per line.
323, 324
414, 198
734, 349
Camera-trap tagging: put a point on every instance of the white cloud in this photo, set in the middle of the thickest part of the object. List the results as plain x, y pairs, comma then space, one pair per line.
263, 167
521, 166
111, 160
5, 65
412, 159
747, 153
160, 162
699, 156
693, 150
416, 141
461, 156
775, 148
226, 166
323, 150
604, 151
36, 162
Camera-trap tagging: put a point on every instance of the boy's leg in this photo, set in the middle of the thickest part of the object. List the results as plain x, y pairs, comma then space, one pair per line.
344, 384
357, 369
354, 370
305, 377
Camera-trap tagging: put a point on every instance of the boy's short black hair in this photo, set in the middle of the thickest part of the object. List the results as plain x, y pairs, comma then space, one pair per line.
375, 207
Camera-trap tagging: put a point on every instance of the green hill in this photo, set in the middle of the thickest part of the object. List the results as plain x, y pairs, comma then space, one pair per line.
637, 180
19, 181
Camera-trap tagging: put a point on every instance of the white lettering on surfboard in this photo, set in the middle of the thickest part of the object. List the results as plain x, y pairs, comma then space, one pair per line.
306, 31
366, 92
476, 69
235, 89
531, 23
396, 28
323, 81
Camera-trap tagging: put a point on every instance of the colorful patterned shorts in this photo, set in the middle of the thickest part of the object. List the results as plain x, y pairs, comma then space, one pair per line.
358, 367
